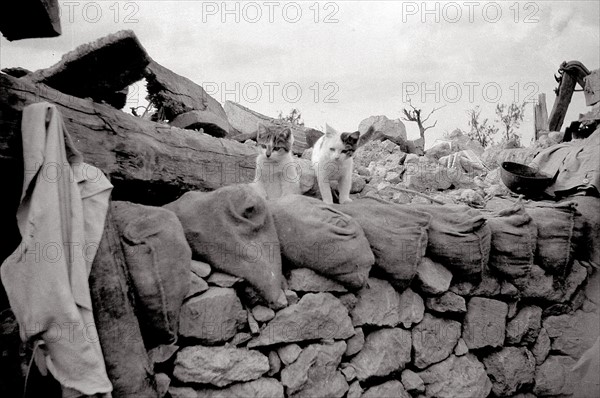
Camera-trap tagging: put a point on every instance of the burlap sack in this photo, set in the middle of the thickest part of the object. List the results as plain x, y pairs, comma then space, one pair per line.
232, 230
514, 237
560, 233
397, 235
158, 258
459, 238
320, 237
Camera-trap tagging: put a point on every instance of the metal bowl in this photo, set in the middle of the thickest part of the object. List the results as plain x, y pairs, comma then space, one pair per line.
524, 180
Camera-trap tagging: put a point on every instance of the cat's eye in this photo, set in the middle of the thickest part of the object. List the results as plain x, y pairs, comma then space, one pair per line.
263, 146
332, 149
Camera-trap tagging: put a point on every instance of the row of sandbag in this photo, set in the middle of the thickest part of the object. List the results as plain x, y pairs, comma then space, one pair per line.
237, 232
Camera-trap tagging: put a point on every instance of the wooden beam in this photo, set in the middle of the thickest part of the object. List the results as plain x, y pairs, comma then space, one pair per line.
149, 163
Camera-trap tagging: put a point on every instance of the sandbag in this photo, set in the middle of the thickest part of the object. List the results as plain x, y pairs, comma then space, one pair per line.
459, 238
397, 235
513, 242
560, 234
320, 237
232, 230
589, 247
118, 330
158, 258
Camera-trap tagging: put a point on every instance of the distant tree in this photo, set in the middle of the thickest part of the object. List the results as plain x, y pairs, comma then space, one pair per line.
510, 116
480, 131
414, 115
294, 117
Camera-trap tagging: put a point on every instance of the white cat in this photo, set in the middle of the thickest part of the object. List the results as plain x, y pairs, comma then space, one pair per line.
332, 161
277, 171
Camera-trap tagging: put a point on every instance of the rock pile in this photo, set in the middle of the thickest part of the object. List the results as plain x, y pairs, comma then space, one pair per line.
440, 337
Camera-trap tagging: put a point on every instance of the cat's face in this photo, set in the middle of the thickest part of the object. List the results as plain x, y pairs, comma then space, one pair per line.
340, 146
274, 142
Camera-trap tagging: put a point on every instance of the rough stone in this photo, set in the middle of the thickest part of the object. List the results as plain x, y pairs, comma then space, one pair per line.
291, 297
429, 177
264, 387
513, 307
358, 184
389, 389
412, 308
219, 366
461, 348
572, 334
274, 363
213, 317
355, 343
455, 377
433, 340
355, 390
525, 327
378, 304
434, 278
412, 382
385, 351
485, 323
222, 279
315, 372
252, 323
393, 130
448, 302
197, 285
289, 353
262, 313
240, 338
315, 316
349, 372
163, 381
161, 354
307, 280
541, 348
349, 300
510, 369
200, 268
553, 377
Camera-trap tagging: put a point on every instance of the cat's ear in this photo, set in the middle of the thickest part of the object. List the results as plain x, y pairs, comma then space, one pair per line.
350, 138
261, 131
287, 133
329, 131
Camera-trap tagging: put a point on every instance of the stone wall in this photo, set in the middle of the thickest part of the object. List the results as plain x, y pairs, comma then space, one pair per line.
441, 337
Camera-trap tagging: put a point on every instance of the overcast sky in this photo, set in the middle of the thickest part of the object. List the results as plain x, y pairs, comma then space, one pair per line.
340, 62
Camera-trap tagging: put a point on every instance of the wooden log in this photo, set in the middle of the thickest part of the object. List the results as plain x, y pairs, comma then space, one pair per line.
540, 113
25, 19
149, 163
177, 95
101, 70
246, 121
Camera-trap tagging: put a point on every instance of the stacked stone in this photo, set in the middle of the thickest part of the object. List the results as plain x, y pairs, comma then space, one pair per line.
441, 337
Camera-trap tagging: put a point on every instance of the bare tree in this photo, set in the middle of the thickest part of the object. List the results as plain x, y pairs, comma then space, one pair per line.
294, 117
480, 131
511, 117
414, 115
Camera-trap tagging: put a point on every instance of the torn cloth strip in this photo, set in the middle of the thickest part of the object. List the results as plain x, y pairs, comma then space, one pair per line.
61, 218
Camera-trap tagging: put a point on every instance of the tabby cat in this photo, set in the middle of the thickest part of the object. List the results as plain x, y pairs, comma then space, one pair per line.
277, 171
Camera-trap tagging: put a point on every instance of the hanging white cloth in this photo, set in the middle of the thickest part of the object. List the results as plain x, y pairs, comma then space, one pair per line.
61, 218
